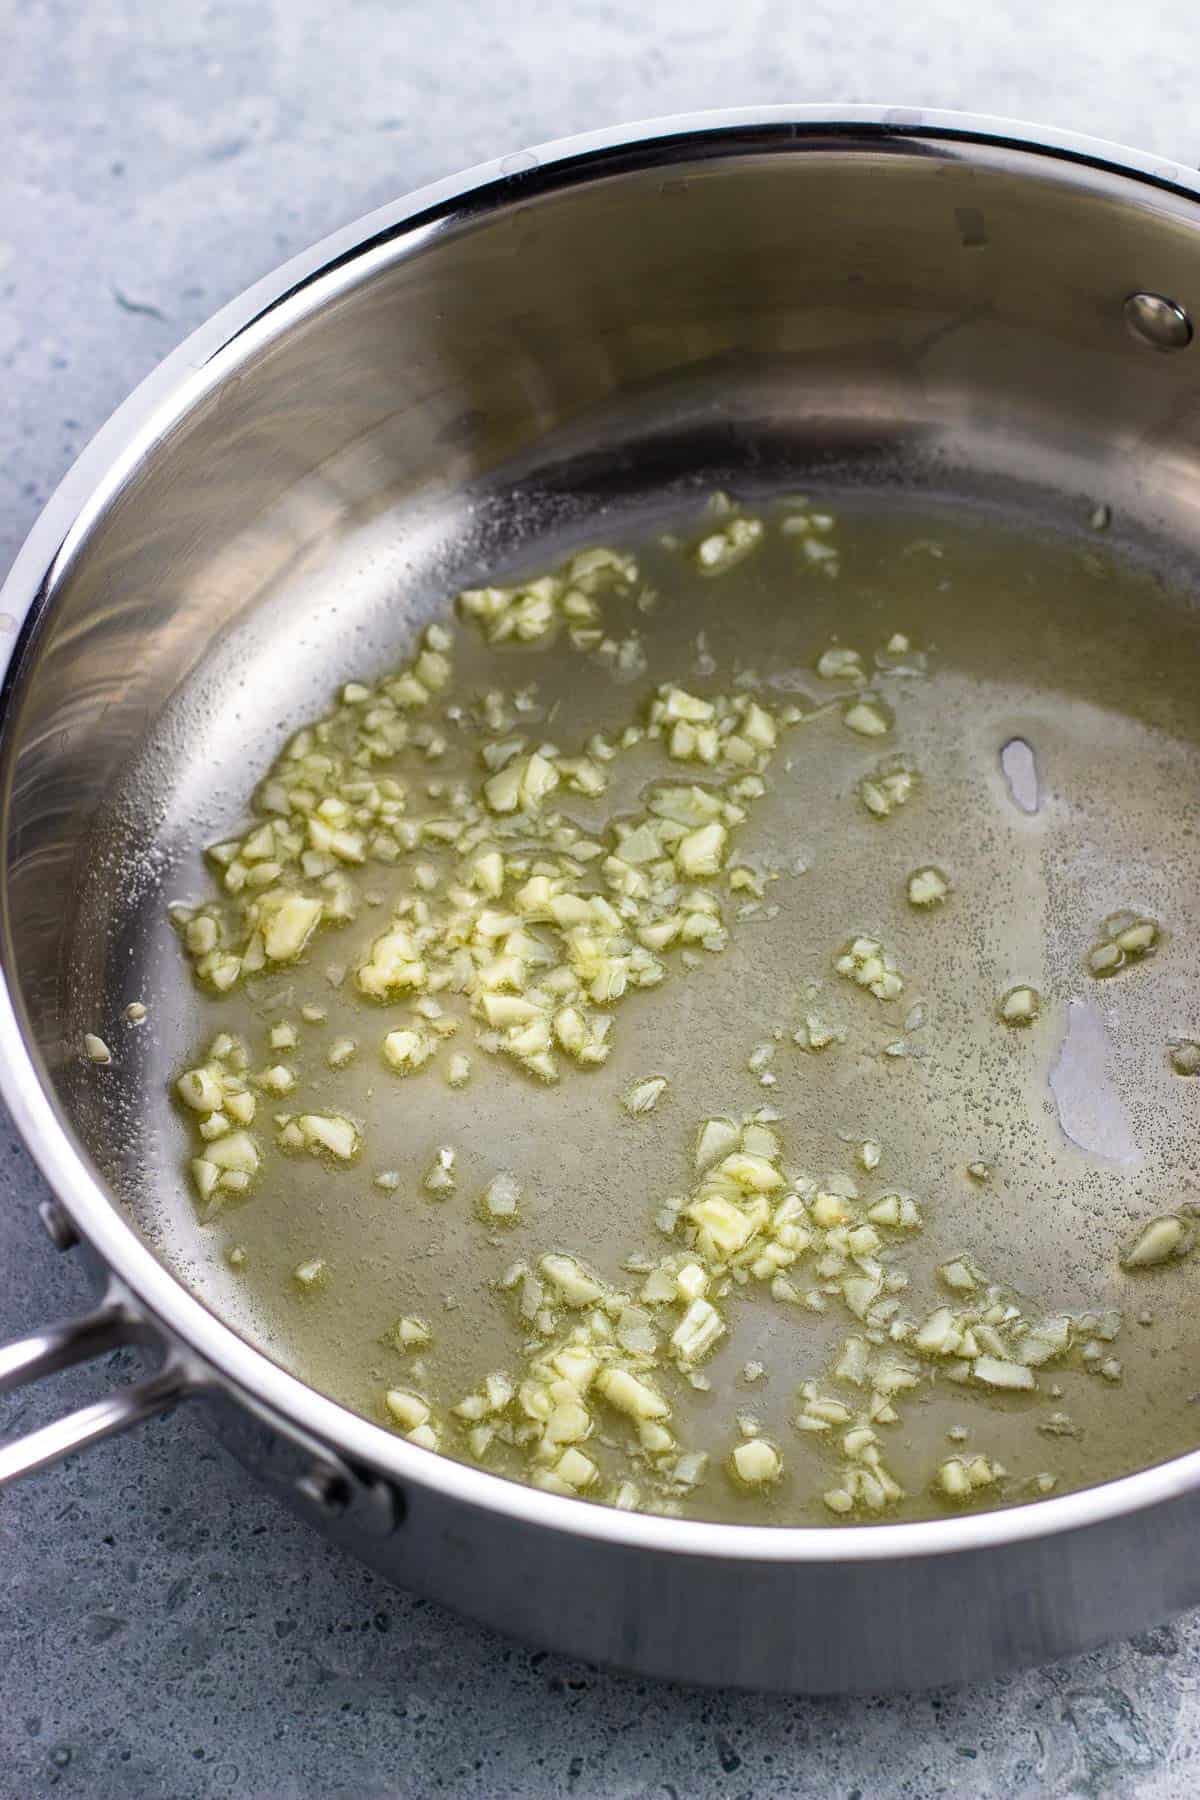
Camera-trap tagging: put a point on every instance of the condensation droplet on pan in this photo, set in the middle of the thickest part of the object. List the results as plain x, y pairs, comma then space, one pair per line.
1020, 771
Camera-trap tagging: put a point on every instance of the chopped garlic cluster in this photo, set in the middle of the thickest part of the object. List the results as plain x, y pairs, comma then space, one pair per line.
888, 788
533, 611
990, 1342
863, 1479
865, 961
413, 1417
590, 1415
589, 1372
538, 927
1124, 938
729, 544
811, 530
963, 1477
538, 944
321, 1134
217, 1100
323, 811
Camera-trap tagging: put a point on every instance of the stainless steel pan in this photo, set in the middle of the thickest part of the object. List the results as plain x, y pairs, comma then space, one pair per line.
918, 299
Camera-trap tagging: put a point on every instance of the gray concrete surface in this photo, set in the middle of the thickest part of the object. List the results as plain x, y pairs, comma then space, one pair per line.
163, 1629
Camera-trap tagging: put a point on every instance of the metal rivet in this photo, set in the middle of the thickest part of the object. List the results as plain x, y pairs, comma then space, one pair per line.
325, 1489
59, 1227
1157, 321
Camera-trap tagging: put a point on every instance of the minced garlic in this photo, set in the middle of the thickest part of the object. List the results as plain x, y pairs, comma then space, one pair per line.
1020, 1006
409, 1334
840, 665
868, 717
440, 1177
718, 551
501, 1198
866, 962
891, 786
1162, 1240
324, 1132
1125, 938
644, 1096
756, 1463
960, 1478
927, 887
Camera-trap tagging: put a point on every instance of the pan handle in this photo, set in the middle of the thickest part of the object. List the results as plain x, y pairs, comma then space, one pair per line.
302, 1469
110, 1325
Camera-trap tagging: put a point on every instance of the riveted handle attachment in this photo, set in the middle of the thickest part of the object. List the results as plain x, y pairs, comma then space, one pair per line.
109, 1326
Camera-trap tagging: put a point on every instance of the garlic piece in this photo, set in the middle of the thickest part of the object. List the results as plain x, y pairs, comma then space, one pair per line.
1020, 1006
756, 1463
629, 1395
721, 549
644, 1096
572, 1283
959, 1477
1125, 937
866, 962
409, 1334
406, 1050
927, 887
994, 1372
868, 717
200, 1089
702, 852
96, 1049
408, 1410
329, 1131
1162, 1240
394, 966
440, 1178
715, 1140
700, 1329
287, 921
840, 665
501, 1198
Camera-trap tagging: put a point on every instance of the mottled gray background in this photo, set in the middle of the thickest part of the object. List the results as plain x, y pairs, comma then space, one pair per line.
163, 1629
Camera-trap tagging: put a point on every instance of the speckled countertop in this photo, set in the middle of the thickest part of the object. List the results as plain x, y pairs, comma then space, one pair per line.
164, 1630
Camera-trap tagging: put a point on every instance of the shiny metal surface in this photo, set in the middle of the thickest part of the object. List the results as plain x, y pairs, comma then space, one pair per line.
109, 1325
906, 299
1159, 322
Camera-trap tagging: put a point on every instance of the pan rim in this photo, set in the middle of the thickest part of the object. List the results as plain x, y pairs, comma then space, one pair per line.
268, 308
